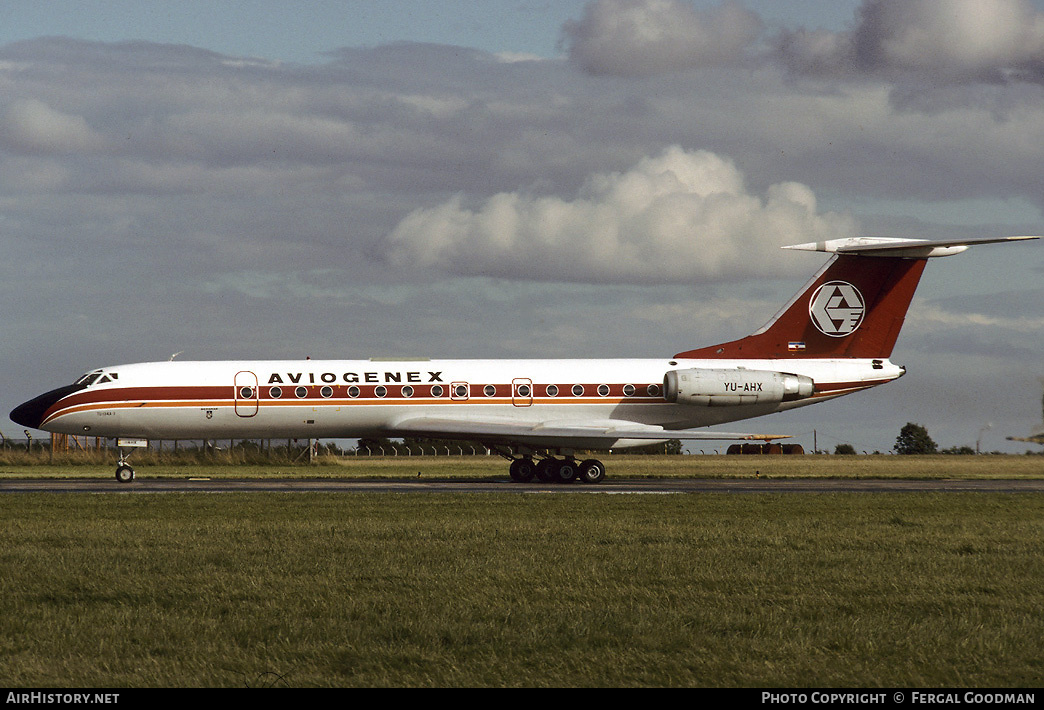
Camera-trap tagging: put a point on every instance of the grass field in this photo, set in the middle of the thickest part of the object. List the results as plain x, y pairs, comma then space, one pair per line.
840, 590
509, 590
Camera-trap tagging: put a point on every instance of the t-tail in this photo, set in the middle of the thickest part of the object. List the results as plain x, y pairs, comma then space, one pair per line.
853, 308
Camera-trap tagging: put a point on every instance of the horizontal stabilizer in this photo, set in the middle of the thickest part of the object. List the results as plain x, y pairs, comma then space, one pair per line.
895, 246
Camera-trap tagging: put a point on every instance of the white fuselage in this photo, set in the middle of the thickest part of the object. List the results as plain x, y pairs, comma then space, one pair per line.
357, 398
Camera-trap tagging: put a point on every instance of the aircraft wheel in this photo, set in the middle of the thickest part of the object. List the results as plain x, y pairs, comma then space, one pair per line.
547, 470
523, 470
566, 472
592, 471
124, 473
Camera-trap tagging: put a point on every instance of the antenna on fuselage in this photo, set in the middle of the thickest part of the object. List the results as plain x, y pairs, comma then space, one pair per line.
175, 355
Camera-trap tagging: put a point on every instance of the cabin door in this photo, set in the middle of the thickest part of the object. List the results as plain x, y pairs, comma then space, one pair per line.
246, 393
522, 392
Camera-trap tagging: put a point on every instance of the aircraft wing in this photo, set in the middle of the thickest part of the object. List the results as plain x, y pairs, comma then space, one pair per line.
558, 434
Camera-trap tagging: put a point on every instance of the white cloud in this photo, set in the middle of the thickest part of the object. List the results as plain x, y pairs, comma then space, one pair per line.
644, 37
942, 34
31, 126
677, 217
936, 316
953, 39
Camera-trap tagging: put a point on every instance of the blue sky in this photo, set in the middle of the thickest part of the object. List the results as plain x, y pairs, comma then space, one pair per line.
263, 179
303, 32
296, 32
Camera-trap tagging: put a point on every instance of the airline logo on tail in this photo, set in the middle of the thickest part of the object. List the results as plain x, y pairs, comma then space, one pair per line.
837, 308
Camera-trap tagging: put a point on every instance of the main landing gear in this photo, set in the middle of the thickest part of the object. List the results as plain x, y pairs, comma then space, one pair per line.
554, 470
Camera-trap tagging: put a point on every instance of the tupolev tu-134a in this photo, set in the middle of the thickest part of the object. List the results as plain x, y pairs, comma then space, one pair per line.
833, 338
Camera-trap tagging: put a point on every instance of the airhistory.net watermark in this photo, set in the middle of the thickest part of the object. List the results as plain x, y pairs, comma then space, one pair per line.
51, 698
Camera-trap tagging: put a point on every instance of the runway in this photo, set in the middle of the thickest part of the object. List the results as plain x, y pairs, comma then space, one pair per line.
609, 487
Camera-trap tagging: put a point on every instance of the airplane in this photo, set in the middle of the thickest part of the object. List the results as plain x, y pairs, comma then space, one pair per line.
833, 338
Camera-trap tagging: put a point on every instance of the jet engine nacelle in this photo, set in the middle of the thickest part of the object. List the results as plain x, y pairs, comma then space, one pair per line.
729, 388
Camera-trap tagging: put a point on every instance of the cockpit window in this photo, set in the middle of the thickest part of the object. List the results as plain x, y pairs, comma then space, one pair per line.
97, 377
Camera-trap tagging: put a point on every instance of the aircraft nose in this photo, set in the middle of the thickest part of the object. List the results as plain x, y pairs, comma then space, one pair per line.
31, 414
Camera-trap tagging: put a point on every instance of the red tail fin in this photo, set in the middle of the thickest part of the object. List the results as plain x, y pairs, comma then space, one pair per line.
854, 307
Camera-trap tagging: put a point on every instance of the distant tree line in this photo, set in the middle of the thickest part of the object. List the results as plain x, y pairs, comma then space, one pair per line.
913, 439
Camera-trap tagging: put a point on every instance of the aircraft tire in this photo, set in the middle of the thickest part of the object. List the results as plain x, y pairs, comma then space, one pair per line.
124, 473
566, 472
591, 471
547, 470
523, 470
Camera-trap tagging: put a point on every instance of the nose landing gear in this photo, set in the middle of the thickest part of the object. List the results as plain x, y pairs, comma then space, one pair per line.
124, 472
